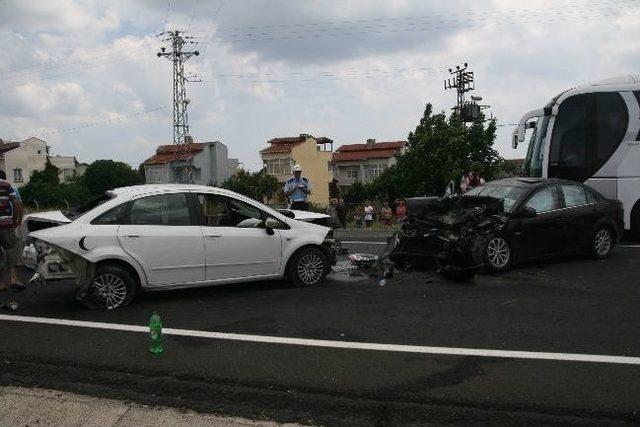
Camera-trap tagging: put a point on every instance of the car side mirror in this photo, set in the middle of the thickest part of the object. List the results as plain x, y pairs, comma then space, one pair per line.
270, 224
528, 212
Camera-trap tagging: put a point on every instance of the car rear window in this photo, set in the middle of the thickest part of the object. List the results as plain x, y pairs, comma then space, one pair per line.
574, 195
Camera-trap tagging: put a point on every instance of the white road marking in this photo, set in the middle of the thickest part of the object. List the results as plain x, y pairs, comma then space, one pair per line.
629, 246
361, 242
350, 345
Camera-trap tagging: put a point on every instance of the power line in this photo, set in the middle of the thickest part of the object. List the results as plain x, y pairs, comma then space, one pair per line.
70, 61
193, 12
407, 27
326, 75
356, 21
120, 118
166, 16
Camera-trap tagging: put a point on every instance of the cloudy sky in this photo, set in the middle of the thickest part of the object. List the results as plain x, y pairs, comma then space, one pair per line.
84, 76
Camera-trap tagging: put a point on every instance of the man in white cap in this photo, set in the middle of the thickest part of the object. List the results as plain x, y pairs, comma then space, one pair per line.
297, 189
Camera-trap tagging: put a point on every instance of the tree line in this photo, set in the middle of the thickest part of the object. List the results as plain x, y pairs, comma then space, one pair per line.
44, 189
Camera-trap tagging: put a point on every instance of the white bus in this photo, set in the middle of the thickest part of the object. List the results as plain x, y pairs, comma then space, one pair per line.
590, 134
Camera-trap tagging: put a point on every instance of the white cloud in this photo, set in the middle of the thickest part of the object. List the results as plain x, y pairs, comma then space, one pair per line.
351, 71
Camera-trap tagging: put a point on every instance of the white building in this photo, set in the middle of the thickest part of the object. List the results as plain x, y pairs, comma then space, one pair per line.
364, 162
20, 159
210, 162
68, 165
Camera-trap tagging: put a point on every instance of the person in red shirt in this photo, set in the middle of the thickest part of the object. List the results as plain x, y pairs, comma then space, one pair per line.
10, 218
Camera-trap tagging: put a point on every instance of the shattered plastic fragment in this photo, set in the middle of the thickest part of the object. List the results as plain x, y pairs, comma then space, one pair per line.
362, 260
11, 305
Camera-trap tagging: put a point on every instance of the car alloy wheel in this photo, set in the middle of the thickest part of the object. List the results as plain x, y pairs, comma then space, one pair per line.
602, 242
310, 268
498, 253
109, 289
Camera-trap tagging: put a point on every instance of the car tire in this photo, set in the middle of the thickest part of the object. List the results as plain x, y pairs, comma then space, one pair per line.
497, 254
602, 242
307, 267
111, 287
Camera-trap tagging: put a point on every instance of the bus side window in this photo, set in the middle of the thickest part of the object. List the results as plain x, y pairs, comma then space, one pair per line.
612, 119
588, 130
570, 141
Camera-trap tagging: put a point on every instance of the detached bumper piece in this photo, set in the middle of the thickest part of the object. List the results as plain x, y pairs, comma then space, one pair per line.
449, 234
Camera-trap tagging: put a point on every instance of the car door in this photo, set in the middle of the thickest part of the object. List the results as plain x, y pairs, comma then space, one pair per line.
236, 242
161, 234
580, 217
542, 234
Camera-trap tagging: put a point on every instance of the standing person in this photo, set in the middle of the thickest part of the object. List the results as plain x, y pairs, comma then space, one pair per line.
368, 214
297, 189
357, 216
401, 211
10, 218
386, 213
472, 179
341, 210
332, 212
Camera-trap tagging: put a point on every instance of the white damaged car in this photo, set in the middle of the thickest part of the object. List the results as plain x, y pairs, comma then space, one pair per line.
158, 237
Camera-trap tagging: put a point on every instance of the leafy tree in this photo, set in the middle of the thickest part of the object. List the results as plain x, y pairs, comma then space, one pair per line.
103, 175
440, 149
256, 185
143, 176
357, 193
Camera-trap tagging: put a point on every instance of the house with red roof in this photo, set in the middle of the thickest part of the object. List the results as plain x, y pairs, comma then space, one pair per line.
312, 153
364, 162
208, 161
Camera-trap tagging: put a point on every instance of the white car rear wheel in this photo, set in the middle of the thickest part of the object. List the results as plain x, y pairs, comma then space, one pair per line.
111, 287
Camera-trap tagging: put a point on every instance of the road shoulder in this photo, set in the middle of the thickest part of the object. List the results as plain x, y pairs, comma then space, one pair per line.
36, 406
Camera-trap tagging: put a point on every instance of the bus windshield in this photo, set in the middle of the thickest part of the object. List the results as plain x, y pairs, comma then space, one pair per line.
535, 152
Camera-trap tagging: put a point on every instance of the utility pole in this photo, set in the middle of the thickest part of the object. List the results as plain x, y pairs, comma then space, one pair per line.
462, 82
177, 41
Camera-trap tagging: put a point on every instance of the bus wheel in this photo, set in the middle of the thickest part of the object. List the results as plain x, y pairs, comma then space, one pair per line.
635, 221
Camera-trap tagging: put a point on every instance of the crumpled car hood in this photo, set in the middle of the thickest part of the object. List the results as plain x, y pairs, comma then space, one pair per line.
450, 232
453, 211
41, 220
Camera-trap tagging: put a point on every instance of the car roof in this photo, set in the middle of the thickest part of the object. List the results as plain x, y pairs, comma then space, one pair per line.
134, 190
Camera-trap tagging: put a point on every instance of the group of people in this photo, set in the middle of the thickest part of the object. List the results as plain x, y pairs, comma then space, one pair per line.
387, 215
366, 214
297, 188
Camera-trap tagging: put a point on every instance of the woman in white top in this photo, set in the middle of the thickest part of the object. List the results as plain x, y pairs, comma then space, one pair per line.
368, 214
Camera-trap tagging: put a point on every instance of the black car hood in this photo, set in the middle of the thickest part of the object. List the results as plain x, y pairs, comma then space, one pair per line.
452, 211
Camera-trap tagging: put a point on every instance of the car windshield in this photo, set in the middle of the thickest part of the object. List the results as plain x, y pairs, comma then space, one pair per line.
535, 152
509, 193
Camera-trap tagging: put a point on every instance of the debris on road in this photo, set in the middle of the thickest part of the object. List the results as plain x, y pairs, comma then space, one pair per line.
11, 305
362, 260
344, 271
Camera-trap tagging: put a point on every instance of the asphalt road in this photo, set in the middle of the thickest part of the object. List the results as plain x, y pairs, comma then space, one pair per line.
572, 306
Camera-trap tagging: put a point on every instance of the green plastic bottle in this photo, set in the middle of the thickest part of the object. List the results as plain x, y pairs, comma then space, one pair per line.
155, 334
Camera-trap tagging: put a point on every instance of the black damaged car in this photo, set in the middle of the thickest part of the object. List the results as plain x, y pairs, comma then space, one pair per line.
505, 222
